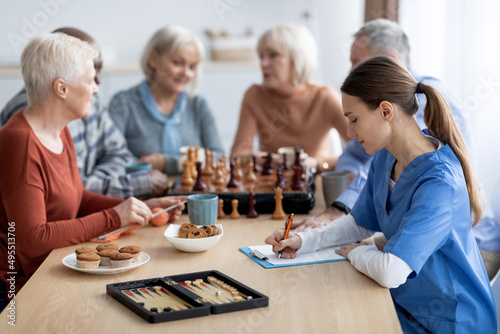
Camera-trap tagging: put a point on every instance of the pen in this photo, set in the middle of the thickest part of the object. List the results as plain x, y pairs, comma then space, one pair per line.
288, 224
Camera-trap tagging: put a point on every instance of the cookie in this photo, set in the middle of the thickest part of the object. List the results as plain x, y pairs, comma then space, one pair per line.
185, 228
196, 234
107, 246
208, 230
82, 250
215, 229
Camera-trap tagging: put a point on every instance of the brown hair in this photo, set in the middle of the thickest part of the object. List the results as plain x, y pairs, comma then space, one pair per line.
384, 79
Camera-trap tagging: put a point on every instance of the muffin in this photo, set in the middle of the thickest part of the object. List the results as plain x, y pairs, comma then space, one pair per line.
121, 260
134, 250
105, 254
88, 260
82, 250
107, 246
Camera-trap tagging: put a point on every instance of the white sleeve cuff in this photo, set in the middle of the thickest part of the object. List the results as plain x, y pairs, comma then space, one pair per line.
386, 269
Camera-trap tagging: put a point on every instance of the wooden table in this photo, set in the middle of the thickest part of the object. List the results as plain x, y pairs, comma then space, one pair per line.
321, 298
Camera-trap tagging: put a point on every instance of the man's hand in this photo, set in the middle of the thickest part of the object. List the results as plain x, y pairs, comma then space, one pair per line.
157, 160
322, 219
159, 182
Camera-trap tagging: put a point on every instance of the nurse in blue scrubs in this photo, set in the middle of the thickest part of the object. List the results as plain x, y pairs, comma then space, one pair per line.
421, 194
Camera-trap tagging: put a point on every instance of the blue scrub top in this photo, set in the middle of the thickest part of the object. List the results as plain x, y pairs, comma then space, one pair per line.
426, 220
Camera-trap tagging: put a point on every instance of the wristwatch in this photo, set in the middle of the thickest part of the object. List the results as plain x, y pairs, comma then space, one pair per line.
341, 206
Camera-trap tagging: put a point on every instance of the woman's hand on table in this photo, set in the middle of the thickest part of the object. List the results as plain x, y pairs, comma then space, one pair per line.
346, 249
165, 202
289, 246
133, 210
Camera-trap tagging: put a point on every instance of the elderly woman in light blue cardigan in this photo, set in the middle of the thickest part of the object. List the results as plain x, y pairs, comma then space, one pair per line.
158, 117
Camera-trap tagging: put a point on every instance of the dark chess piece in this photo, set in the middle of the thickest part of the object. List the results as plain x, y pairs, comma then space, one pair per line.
297, 156
256, 167
232, 182
280, 180
200, 184
285, 164
297, 183
252, 213
267, 165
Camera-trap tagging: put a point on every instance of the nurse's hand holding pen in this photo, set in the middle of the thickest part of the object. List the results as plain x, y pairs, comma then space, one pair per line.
289, 246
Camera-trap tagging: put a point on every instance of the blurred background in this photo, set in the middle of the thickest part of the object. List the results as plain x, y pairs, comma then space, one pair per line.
454, 40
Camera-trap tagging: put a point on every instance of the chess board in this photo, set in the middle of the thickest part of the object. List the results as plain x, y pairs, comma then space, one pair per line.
296, 201
185, 296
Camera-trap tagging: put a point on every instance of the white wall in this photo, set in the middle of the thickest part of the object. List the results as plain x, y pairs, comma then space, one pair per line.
123, 26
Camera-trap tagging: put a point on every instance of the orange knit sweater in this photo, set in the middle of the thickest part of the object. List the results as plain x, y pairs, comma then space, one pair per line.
43, 203
304, 118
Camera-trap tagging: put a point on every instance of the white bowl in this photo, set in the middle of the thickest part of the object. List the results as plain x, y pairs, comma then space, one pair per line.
191, 245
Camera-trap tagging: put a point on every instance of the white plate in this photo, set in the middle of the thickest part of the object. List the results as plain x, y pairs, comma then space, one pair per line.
70, 262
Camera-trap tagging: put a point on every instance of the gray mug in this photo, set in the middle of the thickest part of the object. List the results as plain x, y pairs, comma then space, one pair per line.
334, 184
202, 209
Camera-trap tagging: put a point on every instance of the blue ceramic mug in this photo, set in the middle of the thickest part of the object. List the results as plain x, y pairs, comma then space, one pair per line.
202, 209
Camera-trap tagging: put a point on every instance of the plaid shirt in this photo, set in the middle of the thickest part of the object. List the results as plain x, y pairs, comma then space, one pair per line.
101, 151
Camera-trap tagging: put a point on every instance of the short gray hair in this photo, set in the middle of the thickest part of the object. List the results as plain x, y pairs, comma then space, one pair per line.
168, 40
298, 42
386, 37
48, 57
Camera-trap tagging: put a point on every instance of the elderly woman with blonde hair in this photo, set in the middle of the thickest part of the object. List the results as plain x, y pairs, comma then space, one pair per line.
158, 117
287, 109
42, 196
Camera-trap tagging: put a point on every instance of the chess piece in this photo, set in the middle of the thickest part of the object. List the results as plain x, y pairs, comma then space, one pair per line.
187, 180
219, 180
234, 214
267, 165
280, 180
232, 182
278, 211
252, 213
297, 183
192, 161
220, 212
238, 173
200, 184
251, 177
298, 162
256, 167
209, 158
285, 164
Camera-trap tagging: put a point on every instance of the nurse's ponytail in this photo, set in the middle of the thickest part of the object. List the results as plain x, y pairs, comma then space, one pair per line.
441, 125
385, 79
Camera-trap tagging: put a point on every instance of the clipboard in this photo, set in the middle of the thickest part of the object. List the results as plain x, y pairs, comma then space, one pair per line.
272, 260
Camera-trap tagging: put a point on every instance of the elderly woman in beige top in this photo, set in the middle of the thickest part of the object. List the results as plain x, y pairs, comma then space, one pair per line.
287, 109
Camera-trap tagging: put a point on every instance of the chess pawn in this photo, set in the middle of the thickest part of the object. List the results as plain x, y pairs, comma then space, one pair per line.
232, 181
251, 177
220, 212
280, 180
256, 167
252, 213
209, 158
278, 211
234, 214
285, 164
297, 183
220, 180
267, 165
200, 184
238, 173
187, 180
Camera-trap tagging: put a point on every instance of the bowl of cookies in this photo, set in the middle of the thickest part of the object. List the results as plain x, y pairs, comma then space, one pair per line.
193, 238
